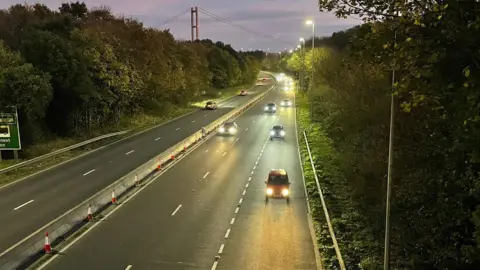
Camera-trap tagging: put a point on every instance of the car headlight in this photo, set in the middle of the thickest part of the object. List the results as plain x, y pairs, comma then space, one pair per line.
266, 109
285, 192
272, 132
283, 103
289, 103
269, 191
222, 129
232, 130
282, 133
274, 108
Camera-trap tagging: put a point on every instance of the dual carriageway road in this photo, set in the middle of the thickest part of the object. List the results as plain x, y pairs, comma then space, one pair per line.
209, 205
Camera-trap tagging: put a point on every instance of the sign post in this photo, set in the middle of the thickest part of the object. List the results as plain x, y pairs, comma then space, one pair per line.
9, 131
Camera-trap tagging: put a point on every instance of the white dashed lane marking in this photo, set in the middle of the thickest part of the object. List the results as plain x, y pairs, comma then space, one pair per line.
89, 172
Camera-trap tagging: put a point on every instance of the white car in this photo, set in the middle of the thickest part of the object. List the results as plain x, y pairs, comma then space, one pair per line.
286, 103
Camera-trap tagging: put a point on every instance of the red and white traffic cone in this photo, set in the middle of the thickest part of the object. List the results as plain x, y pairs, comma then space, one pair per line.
114, 199
89, 213
136, 180
47, 247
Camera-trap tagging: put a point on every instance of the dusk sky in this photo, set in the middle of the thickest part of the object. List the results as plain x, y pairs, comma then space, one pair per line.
283, 19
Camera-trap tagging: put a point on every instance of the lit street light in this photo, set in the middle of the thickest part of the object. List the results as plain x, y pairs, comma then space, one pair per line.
312, 23
290, 51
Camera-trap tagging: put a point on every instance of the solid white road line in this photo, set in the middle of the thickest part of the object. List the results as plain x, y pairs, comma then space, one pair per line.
89, 172
128, 153
176, 210
220, 251
158, 138
227, 233
128, 267
205, 176
20, 206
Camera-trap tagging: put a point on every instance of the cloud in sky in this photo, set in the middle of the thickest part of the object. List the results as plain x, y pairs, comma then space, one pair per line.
283, 19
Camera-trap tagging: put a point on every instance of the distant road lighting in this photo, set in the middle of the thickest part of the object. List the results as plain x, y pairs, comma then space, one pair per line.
309, 22
290, 51
302, 39
298, 46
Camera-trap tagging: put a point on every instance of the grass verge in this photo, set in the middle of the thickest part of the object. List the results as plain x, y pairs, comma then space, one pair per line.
325, 160
136, 124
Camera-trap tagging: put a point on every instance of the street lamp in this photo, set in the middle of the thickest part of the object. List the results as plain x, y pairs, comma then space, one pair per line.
302, 77
290, 51
312, 23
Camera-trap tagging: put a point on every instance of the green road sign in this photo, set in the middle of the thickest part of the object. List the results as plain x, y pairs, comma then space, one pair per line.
9, 132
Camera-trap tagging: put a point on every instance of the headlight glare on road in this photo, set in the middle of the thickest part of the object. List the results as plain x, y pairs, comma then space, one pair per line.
282, 133
285, 192
269, 191
221, 129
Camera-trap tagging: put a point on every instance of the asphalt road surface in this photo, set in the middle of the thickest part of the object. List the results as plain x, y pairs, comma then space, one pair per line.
210, 203
29, 204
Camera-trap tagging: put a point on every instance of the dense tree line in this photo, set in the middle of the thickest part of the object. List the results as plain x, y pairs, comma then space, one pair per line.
434, 49
75, 70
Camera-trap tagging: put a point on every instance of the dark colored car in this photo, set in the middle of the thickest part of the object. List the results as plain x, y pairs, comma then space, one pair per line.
210, 105
228, 128
278, 185
277, 132
270, 107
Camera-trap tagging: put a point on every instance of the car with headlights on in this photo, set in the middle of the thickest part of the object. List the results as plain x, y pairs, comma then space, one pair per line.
210, 105
278, 185
270, 107
277, 132
286, 103
228, 128
243, 93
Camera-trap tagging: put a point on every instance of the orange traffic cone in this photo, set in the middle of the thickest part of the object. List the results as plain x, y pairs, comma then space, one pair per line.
114, 199
47, 247
89, 213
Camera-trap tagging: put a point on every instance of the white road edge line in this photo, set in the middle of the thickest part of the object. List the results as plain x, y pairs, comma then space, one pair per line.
158, 138
89, 172
220, 251
227, 233
128, 153
214, 266
205, 176
20, 206
176, 210
128, 267
232, 221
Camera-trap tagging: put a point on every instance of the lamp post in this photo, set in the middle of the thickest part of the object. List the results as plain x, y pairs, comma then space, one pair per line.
312, 23
302, 77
